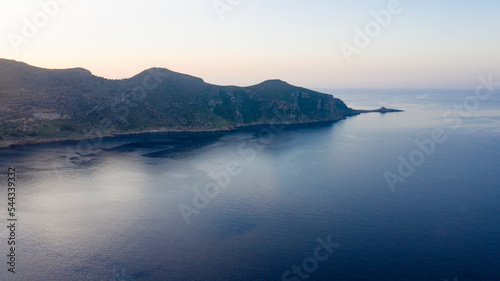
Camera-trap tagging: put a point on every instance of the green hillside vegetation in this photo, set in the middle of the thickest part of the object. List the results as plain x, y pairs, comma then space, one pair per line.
39, 104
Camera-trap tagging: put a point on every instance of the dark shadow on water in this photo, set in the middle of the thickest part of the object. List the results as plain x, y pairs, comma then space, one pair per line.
81, 154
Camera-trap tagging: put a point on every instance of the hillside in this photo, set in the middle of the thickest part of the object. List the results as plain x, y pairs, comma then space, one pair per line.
39, 104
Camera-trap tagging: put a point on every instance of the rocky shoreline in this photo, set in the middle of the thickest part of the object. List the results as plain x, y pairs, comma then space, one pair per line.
9, 144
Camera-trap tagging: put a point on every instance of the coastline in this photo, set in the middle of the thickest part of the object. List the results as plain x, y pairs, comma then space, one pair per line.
13, 144
7, 145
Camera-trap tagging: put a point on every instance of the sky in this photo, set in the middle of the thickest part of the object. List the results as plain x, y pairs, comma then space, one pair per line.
310, 43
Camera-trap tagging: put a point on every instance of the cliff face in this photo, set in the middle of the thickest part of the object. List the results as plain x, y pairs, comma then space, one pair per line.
38, 104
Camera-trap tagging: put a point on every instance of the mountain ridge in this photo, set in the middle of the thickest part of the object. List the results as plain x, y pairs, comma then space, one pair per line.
39, 105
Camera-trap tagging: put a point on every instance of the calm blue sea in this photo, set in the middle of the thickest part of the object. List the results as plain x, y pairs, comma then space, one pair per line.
303, 203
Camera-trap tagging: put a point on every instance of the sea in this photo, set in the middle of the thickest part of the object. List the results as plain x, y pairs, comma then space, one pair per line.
413, 195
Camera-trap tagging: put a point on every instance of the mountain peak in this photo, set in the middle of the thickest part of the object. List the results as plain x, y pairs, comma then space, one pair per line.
274, 82
160, 74
6, 63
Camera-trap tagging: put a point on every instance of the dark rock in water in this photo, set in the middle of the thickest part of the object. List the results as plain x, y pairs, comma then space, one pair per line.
380, 110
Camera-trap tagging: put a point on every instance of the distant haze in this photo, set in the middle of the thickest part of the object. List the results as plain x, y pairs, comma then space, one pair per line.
428, 44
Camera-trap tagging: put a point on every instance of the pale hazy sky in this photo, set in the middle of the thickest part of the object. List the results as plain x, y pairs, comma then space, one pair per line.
429, 44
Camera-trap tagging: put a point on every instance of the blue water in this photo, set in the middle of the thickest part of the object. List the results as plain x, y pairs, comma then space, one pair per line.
111, 210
